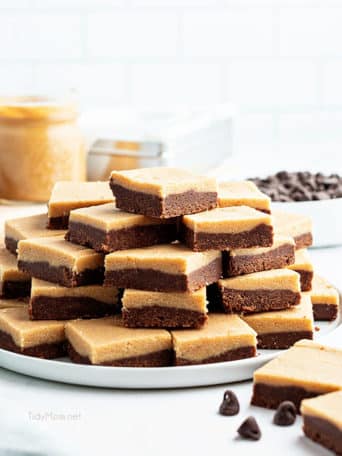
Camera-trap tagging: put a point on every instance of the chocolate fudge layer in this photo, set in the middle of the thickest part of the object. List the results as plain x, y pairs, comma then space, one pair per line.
243, 193
260, 292
107, 229
306, 370
322, 419
222, 338
245, 261
153, 309
42, 339
13, 283
56, 260
162, 268
26, 228
297, 226
50, 301
66, 196
281, 329
105, 341
163, 192
304, 268
325, 299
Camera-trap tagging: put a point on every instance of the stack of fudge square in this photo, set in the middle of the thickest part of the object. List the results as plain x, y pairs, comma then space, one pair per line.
160, 267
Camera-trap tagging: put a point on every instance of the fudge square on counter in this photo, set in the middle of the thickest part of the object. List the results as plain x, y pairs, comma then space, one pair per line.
66, 196
13, 283
163, 192
243, 193
107, 229
303, 266
56, 260
295, 225
105, 341
325, 299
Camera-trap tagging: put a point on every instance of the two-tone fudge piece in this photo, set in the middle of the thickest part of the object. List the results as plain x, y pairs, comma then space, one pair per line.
66, 196
295, 225
50, 301
227, 228
167, 268
42, 339
325, 299
107, 229
322, 420
56, 260
222, 338
306, 370
303, 266
163, 192
107, 342
243, 193
245, 261
153, 309
260, 291
13, 283
282, 328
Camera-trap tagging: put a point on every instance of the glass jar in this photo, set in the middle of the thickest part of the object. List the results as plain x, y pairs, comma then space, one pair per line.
40, 143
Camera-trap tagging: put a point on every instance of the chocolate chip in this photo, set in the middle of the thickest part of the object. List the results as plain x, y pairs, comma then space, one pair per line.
230, 405
285, 414
249, 429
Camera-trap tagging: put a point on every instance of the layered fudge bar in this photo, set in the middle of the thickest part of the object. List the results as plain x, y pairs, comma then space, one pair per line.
107, 229
66, 196
304, 268
306, 370
13, 283
260, 291
164, 267
42, 339
281, 329
245, 261
222, 338
243, 193
153, 309
227, 228
322, 420
50, 301
106, 342
56, 260
325, 299
295, 225
26, 228
163, 192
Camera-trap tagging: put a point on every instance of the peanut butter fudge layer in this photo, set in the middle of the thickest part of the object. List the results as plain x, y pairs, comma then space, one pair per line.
282, 328
153, 309
245, 261
304, 268
13, 283
50, 301
306, 370
325, 299
227, 228
295, 225
107, 342
222, 338
42, 339
243, 193
26, 228
58, 261
66, 196
9, 303
322, 419
107, 229
162, 268
163, 192
260, 292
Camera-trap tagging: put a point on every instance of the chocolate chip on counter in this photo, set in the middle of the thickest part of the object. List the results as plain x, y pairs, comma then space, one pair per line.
285, 414
249, 429
230, 405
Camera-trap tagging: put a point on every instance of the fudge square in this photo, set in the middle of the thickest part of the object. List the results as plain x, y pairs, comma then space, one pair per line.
295, 225
325, 299
66, 196
303, 266
56, 260
243, 193
306, 370
42, 339
13, 283
153, 309
260, 291
105, 341
107, 229
222, 338
50, 301
322, 419
164, 267
163, 192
